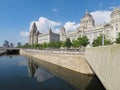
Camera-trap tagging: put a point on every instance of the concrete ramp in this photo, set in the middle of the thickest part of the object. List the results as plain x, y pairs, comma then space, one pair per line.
105, 62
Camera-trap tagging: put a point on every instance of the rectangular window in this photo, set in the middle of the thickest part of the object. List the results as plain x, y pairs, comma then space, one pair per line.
116, 29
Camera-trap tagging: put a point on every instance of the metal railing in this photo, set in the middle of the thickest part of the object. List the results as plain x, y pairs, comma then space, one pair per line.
56, 51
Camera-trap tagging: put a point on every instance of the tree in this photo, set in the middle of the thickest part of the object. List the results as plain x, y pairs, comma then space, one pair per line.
58, 44
68, 43
62, 43
54, 44
35, 45
84, 41
118, 39
98, 41
75, 43
44, 45
107, 42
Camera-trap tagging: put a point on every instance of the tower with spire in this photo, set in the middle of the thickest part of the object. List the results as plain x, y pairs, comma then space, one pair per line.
34, 33
62, 34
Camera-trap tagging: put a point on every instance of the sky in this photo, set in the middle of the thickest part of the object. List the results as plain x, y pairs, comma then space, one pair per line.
16, 16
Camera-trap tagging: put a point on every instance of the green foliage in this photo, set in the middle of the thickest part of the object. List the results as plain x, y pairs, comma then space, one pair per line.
35, 45
62, 44
68, 43
98, 41
58, 44
83, 41
118, 39
75, 43
24, 46
54, 44
107, 42
44, 45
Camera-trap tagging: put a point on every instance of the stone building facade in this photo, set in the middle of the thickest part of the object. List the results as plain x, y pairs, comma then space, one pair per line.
33, 37
36, 37
49, 37
87, 27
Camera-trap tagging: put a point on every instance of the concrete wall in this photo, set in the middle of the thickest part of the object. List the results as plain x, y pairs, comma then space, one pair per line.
105, 62
71, 61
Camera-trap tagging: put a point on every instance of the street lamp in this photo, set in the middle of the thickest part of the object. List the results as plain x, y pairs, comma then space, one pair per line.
103, 36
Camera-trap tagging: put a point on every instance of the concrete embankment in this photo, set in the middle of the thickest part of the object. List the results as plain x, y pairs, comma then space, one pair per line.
73, 62
2, 52
105, 62
71, 67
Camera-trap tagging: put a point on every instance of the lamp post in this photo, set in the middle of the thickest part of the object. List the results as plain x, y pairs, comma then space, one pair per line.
103, 36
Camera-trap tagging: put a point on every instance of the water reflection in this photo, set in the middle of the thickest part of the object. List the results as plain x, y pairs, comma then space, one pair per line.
23, 63
14, 76
32, 66
36, 72
10, 56
81, 81
44, 76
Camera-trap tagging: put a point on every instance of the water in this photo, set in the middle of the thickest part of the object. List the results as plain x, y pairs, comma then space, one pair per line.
22, 73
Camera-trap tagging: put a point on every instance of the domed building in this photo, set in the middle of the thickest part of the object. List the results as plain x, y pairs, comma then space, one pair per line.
87, 21
115, 23
115, 15
87, 27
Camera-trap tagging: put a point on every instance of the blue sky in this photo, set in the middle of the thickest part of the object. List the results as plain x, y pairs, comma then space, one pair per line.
17, 15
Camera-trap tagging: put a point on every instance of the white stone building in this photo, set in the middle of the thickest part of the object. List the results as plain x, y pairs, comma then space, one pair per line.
49, 37
33, 37
87, 27
36, 37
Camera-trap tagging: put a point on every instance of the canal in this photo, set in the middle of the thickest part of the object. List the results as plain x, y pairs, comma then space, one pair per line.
25, 73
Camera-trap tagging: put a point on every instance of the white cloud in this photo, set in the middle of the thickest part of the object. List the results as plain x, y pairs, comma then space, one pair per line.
44, 24
23, 63
55, 10
41, 75
69, 26
101, 16
24, 40
24, 33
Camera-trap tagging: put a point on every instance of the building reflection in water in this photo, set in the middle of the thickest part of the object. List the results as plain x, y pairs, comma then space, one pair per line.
81, 81
37, 72
32, 67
